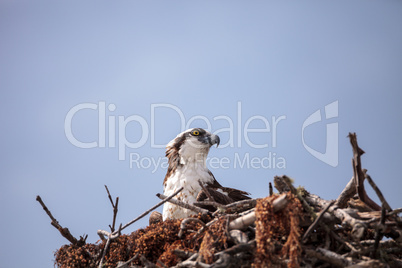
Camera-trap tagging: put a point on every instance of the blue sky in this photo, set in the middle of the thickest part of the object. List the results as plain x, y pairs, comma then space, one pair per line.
207, 60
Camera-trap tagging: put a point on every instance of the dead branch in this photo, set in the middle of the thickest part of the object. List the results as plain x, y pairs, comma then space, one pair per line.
165, 199
342, 215
197, 264
184, 205
359, 174
125, 264
328, 256
377, 191
379, 232
239, 248
316, 221
210, 198
217, 205
241, 205
103, 233
183, 225
183, 254
346, 194
238, 236
104, 252
116, 234
109, 240
115, 208
63, 231
271, 190
147, 263
234, 207
246, 220
395, 212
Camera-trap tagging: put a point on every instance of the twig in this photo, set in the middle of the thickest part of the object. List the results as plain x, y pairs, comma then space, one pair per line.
244, 221
235, 207
116, 234
395, 211
203, 228
183, 254
166, 199
206, 191
210, 203
183, 225
189, 263
237, 236
146, 263
103, 233
316, 221
115, 208
340, 239
377, 191
341, 215
379, 232
358, 173
109, 240
104, 251
161, 264
125, 264
241, 205
328, 256
271, 190
184, 205
346, 194
63, 231
239, 248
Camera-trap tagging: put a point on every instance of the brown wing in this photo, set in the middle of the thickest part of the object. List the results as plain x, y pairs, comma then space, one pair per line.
222, 195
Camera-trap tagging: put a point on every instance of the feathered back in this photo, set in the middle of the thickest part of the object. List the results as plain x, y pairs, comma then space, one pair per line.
172, 153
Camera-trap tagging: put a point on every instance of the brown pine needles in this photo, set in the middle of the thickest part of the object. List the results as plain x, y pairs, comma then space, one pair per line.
272, 229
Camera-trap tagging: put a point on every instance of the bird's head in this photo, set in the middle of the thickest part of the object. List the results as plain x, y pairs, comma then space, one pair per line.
191, 144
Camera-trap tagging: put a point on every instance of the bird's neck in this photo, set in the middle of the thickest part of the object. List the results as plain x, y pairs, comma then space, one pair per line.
198, 159
193, 155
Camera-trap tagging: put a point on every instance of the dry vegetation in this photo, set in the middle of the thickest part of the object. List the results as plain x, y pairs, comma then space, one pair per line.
292, 228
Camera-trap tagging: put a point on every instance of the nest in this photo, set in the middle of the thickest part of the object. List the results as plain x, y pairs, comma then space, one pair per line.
291, 228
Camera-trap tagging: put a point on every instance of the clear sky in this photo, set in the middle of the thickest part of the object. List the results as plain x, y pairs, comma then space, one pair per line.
125, 78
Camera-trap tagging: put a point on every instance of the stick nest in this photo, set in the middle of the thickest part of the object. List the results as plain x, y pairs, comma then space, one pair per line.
292, 228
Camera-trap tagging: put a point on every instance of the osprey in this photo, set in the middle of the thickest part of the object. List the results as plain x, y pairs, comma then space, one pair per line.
187, 155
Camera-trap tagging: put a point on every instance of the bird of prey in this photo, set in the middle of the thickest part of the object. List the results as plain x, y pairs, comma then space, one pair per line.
187, 155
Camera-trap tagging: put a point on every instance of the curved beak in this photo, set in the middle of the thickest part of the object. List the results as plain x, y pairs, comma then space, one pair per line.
214, 139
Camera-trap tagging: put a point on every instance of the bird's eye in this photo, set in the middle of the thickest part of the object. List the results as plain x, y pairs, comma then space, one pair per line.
195, 133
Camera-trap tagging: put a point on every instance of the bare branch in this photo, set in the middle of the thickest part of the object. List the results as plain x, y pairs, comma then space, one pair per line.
316, 221
244, 221
359, 174
379, 232
109, 240
347, 193
378, 192
271, 190
184, 205
115, 206
206, 191
183, 225
63, 231
166, 199
328, 256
